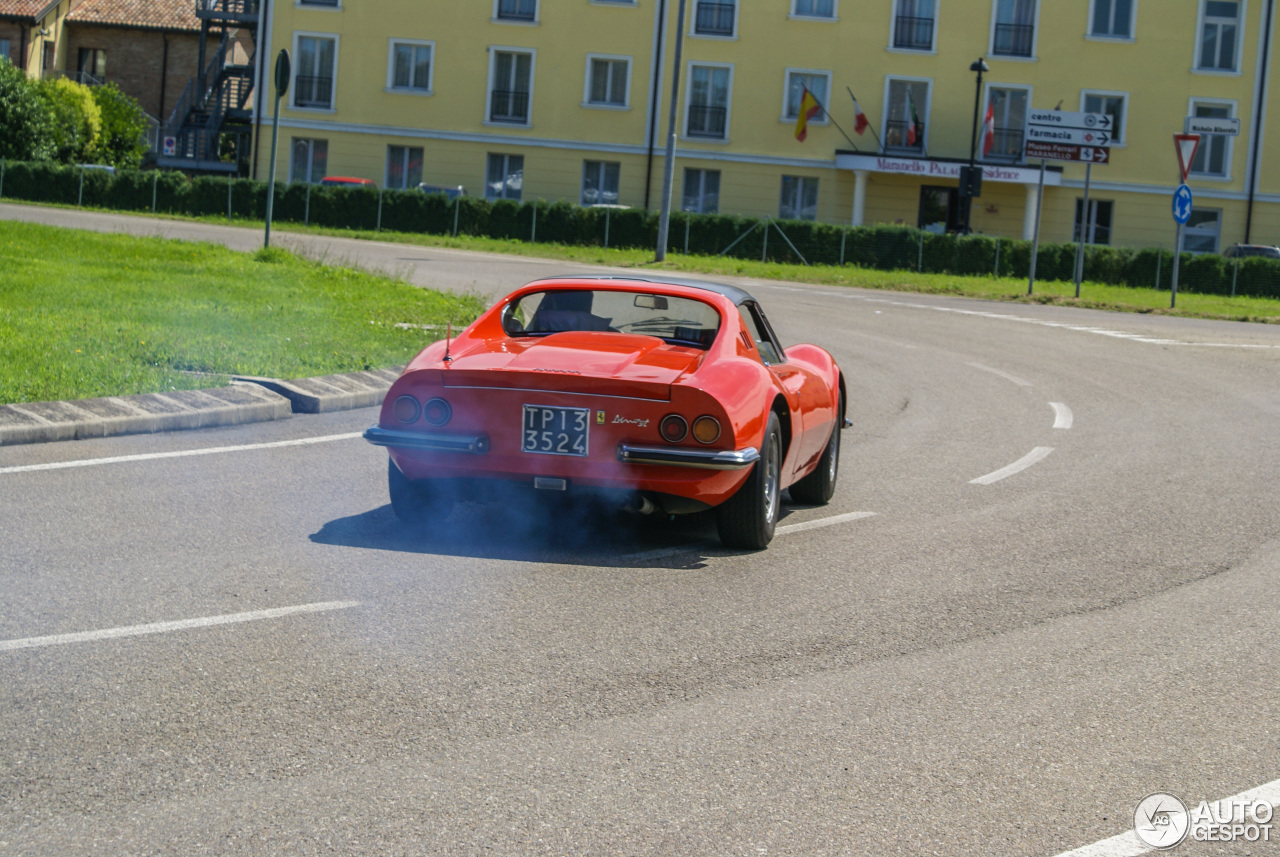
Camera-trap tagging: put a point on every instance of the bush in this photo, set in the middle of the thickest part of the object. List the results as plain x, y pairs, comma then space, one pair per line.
26, 118
77, 120
122, 141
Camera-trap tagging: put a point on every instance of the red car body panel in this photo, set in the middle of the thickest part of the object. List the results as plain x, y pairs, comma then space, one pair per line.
629, 382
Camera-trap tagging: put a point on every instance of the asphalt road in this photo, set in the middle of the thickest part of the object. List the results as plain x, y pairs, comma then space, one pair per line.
982, 665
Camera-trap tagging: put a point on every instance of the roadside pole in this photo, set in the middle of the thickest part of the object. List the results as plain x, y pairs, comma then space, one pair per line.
282, 86
1035, 241
1186, 146
1084, 228
668, 168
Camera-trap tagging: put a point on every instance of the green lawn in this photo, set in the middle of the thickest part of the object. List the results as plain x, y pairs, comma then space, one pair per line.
84, 314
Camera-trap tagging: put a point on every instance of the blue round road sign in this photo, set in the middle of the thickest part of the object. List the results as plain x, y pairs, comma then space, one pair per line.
1182, 204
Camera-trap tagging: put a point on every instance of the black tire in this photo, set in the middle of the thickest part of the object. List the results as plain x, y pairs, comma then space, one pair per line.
748, 518
408, 498
819, 487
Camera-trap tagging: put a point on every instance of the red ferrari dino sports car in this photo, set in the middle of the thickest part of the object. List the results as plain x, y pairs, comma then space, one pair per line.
661, 395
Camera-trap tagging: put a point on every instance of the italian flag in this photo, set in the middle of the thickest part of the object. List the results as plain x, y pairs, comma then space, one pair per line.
914, 120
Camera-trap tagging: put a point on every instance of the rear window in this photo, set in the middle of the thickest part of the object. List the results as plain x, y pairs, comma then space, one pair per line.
679, 321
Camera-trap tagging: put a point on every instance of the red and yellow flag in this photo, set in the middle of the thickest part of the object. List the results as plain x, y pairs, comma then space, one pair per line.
809, 108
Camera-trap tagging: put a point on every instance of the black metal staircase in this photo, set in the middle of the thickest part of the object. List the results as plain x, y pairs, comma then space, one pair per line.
209, 131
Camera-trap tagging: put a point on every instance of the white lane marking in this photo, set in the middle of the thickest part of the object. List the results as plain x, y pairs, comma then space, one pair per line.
1062, 416
1128, 844
151, 456
178, 625
1040, 453
1005, 375
659, 553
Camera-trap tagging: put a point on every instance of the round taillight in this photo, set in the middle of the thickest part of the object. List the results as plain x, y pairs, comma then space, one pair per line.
706, 429
674, 428
405, 409
437, 411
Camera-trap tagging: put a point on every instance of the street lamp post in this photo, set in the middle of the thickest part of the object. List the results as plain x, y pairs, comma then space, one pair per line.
971, 179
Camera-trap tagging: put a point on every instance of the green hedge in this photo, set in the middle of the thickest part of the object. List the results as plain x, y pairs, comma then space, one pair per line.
881, 247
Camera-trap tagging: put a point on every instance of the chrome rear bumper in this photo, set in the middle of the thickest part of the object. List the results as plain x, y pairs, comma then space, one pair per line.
432, 441
705, 459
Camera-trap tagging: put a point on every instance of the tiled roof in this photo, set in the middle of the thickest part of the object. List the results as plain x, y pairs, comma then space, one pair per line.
142, 14
21, 8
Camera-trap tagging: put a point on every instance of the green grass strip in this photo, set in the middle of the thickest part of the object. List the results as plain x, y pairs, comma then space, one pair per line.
84, 314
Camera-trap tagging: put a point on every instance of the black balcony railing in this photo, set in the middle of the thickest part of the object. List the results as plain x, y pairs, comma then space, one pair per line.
509, 106
913, 33
1008, 144
707, 121
898, 135
517, 10
1013, 40
714, 19
313, 91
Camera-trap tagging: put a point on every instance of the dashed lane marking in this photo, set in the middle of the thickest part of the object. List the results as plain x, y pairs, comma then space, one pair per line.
1062, 416
1002, 374
1040, 453
785, 529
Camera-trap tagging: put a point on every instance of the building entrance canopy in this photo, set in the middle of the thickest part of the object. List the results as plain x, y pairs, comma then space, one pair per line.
926, 168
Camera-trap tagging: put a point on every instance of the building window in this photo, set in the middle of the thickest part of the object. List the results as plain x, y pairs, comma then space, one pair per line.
511, 82
913, 25
1112, 19
715, 17
313, 79
1113, 105
1219, 32
1202, 231
1098, 229
1213, 157
1015, 28
517, 10
410, 66
330, 3
814, 8
93, 63
504, 178
708, 115
799, 198
309, 161
905, 126
1009, 108
404, 167
608, 81
4, 49
600, 182
701, 191
817, 82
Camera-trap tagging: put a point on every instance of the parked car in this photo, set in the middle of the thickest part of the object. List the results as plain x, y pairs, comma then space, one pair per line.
347, 181
451, 191
1240, 251
662, 396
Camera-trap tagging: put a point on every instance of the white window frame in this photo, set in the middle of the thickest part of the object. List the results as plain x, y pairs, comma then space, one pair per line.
925, 112
688, 101
693, 22
1228, 141
1035, 36
1191, 230
802, 181
893, 29
586, 86
1133, 24
311, 152
1234, 71
986, 100
494, 50
1118, 140
391, 67
702, 189
506, 156
408, 148
537, 15
297, 66
601, 170
801, 16
823, 118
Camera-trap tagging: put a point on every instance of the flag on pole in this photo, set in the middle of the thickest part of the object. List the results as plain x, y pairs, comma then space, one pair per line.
989, 130
913, 120
860, 121
809, 108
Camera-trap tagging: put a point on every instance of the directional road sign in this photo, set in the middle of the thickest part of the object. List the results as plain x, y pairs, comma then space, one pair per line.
1067, 136
1060, 152
1182, 204
1213, 125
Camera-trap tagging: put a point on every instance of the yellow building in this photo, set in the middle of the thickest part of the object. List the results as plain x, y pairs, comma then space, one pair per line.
569, 99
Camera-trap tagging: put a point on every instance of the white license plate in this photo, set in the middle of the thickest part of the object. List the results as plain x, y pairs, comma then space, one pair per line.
555, 431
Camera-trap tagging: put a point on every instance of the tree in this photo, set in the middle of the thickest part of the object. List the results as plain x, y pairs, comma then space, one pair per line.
77, 121
122, 141
26, 118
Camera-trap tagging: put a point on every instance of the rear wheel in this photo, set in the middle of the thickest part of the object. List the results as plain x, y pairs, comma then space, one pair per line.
818, 487
748, 518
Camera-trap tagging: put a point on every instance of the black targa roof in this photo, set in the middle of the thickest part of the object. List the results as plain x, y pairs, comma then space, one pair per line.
733, 293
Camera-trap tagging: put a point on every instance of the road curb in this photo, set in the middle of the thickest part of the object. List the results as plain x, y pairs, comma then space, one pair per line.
245, 400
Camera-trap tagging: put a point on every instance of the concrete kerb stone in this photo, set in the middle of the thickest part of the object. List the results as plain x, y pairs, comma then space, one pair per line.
246, 400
